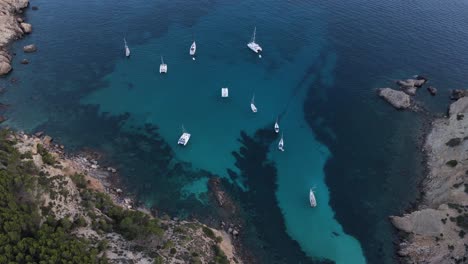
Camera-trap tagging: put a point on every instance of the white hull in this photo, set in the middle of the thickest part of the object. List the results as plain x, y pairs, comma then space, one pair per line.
127, 50
281, 144
224, 92
184, 139
254, 47
276, 127
163, 68
254, 109
193, 49
313, 202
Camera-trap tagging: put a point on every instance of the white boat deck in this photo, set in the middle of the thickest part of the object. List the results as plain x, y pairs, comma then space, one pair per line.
313, 202
163, 68
224, 92
254, 47
184, 139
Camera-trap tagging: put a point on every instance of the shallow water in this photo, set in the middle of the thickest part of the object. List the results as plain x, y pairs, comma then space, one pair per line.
320, 64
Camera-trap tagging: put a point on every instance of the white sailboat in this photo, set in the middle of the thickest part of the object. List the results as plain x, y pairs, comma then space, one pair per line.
313, 202
127, 50
281, 143
252, 104
276, 126
253, 45
224, 92
184, 139
163, 66
193, 49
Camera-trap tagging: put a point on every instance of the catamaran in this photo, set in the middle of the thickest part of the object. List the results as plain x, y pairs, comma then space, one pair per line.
313, 202
281, 143
184, 139
276, 126
224, 92
252, 105
253, 45
193, 49
127, 50
163, 66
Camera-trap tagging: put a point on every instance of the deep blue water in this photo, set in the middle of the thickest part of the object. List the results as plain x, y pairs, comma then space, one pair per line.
321, 63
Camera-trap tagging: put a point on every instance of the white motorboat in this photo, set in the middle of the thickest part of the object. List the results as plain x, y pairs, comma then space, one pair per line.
184, 139
252, 105
163, 66
253, 45
224, 92
281, 143
127, 50
313, 202
193, 48
276, 126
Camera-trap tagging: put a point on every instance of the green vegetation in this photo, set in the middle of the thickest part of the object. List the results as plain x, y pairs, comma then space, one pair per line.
47, 158
452, 163
79, 180
454, 142
23, 239
209, 233
130, 224
220, 257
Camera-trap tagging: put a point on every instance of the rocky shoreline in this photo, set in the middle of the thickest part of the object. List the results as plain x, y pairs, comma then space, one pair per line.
182, 242
434, 232
12, 27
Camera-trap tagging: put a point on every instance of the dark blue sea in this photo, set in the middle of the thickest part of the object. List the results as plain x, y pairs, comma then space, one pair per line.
321, 63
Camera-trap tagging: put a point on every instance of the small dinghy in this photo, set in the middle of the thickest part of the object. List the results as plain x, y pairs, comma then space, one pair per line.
281, 144
253, 45
193, 49
252, 105
184, 139
313, 202
163, 66
276, 126
127, 50
224, 92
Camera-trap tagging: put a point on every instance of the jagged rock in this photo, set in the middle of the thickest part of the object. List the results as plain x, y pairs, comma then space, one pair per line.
235, 232
27, 28
30, 48
410, 86
432, 90
48, 140
24, 61
458, 93
5, 67
111, 169
397, 99
39, 134
20, 20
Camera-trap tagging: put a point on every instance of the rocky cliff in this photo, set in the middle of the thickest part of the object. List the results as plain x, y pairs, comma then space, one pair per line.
436, 231
68, 193
11, 27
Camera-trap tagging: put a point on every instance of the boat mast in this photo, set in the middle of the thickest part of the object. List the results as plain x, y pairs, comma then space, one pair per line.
162, 61
255, 32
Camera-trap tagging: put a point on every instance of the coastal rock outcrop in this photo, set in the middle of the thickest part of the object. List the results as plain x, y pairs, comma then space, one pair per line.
410, 86
436, 231
397, 99
432, 90
10, 29
456, 94
27, 28
29, 48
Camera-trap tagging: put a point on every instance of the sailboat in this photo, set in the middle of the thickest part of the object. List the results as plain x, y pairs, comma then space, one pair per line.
276, 126
193, 49
313, 202
252, 104
163, 66
281, 143
127, 50
253, 45
184, 139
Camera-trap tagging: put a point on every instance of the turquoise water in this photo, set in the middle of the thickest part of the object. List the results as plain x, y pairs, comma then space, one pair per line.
320, 64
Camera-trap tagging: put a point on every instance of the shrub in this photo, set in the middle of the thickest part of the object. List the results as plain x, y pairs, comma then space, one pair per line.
452, 163
47, 158
79, 180
208, 232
